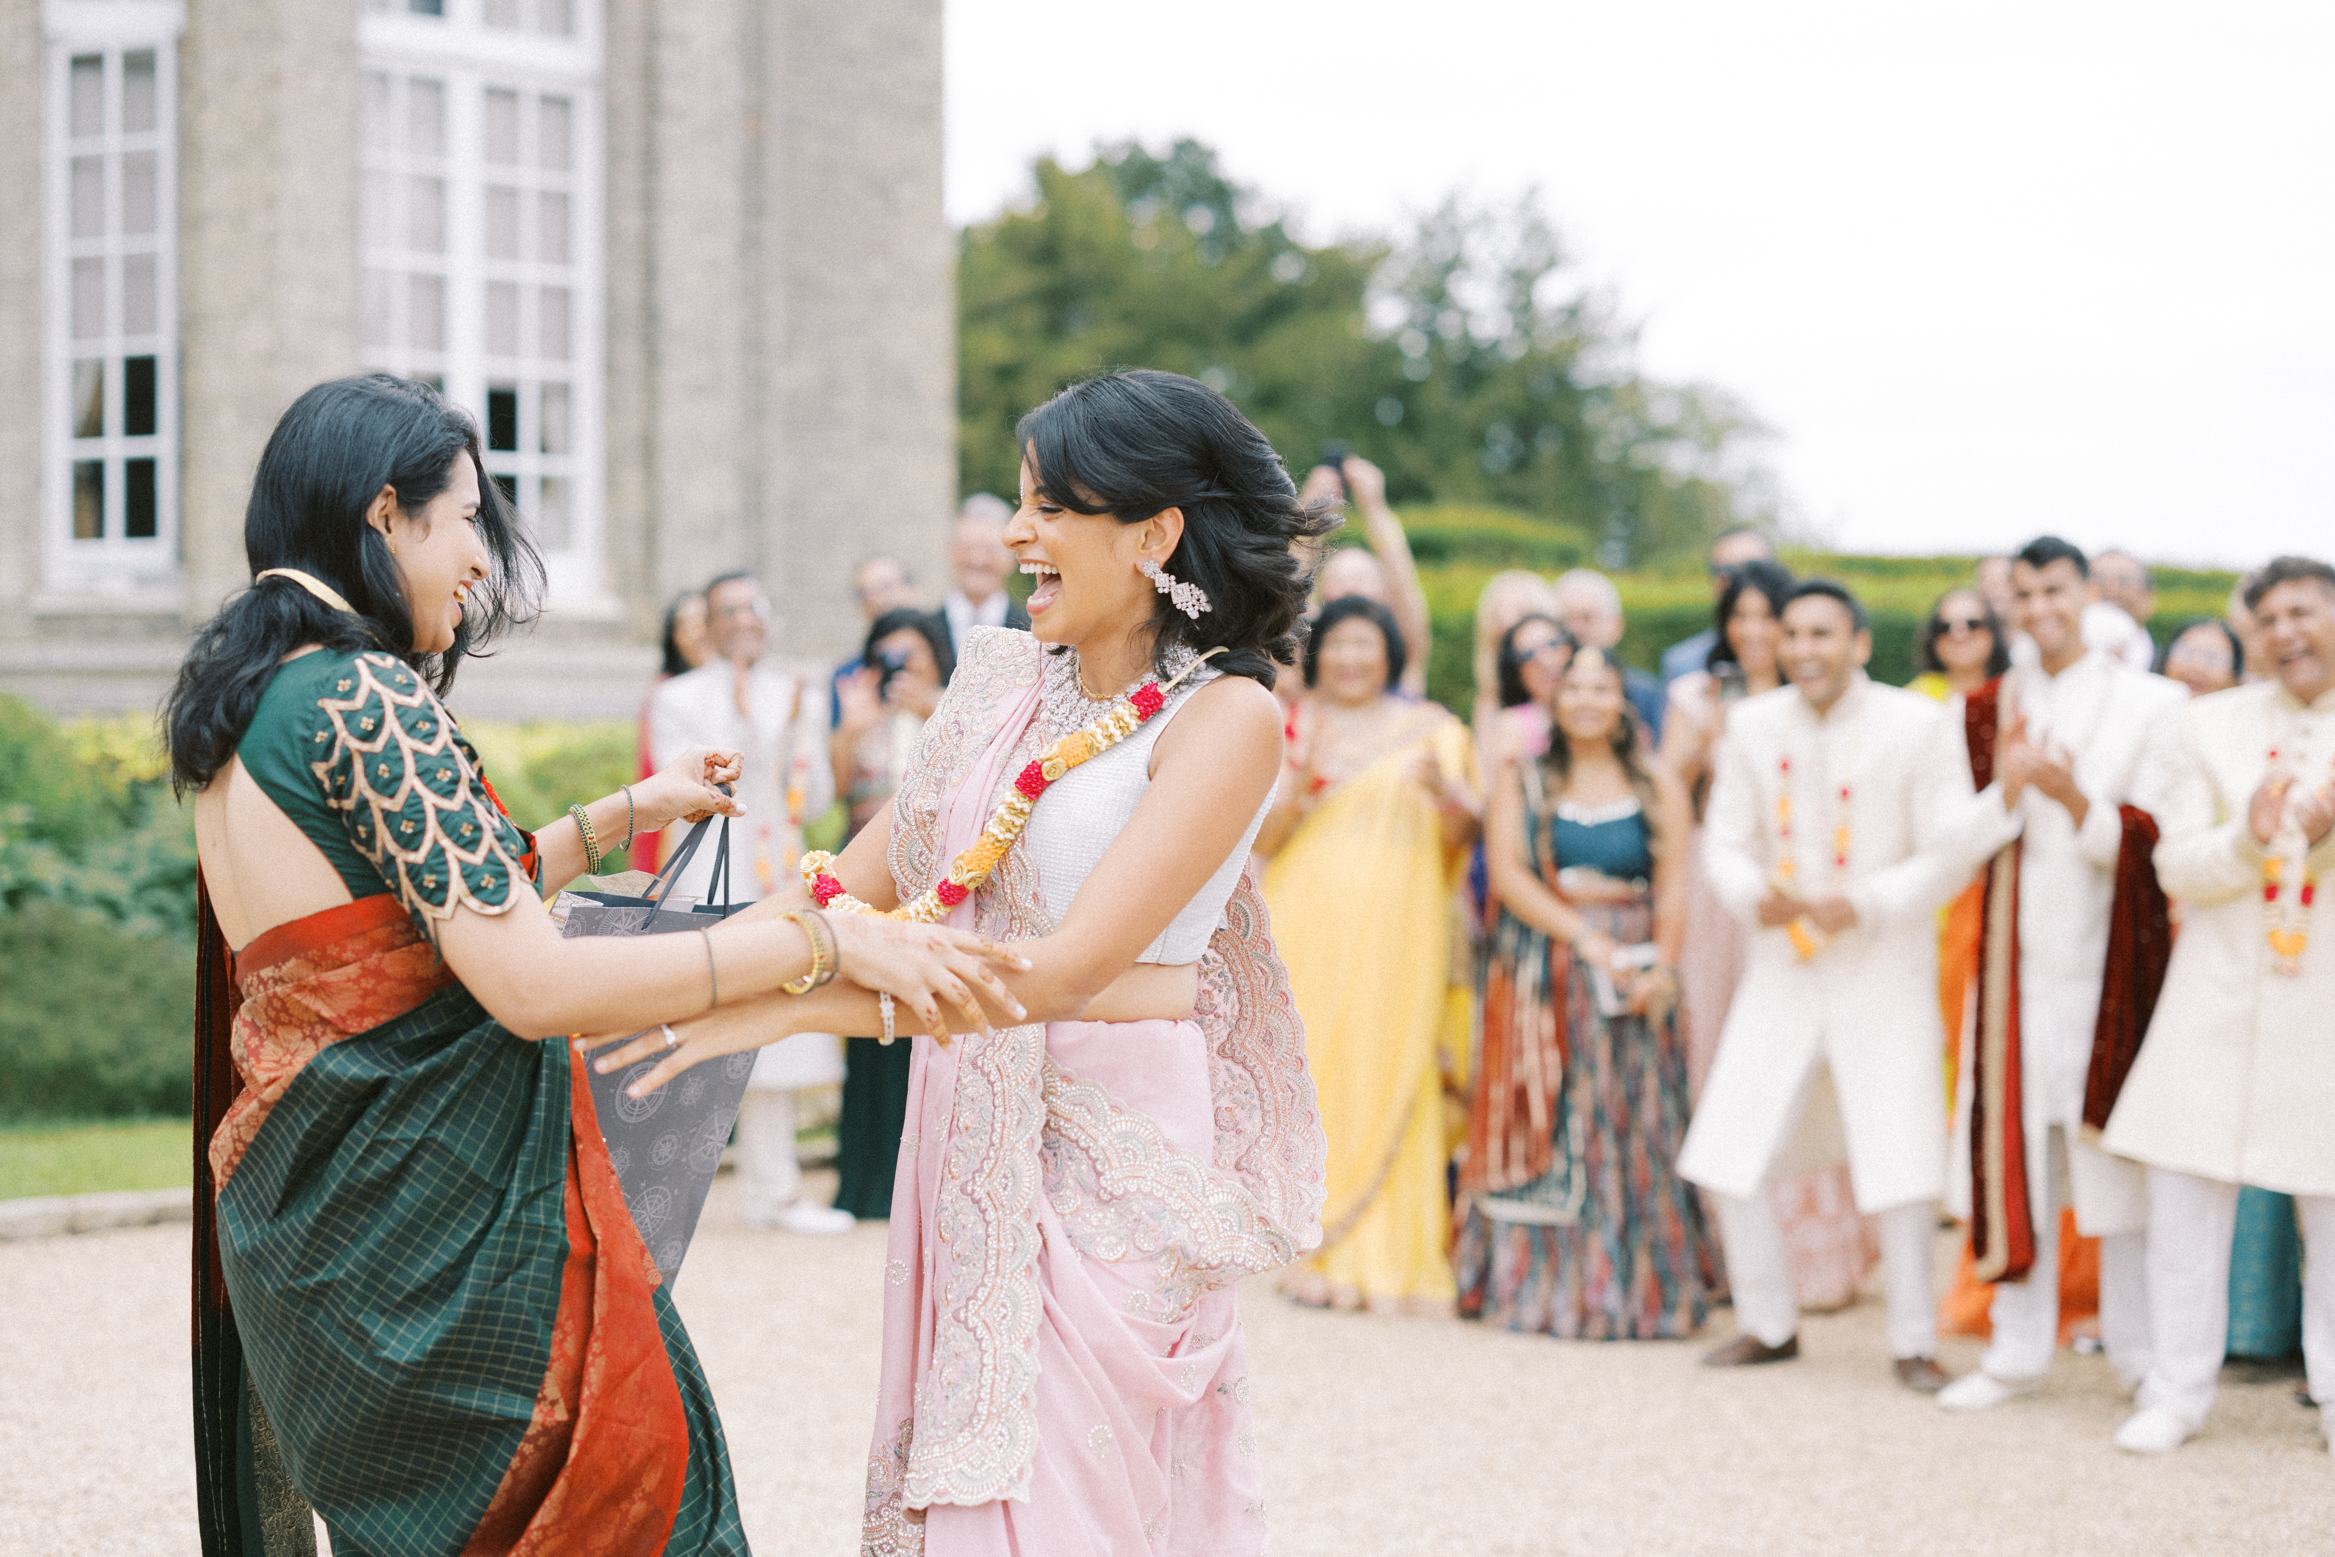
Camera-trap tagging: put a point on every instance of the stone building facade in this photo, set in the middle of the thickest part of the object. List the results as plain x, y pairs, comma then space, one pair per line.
685, 260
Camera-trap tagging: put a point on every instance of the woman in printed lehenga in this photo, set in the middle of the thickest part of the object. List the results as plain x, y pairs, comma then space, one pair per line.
1127, 1127
421, 1307
1575, 1223
1831, 1245
1366, 839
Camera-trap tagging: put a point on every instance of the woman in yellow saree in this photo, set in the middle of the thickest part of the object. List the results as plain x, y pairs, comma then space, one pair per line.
1367, 838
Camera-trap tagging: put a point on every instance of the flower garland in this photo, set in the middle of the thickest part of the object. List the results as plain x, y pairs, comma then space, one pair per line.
998, 835
2287, 926
1807, 939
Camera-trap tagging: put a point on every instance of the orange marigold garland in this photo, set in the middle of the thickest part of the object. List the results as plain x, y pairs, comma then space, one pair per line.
2287, 927
1806, 938
998, 835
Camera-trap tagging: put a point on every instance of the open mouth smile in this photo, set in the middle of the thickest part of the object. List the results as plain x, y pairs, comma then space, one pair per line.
1049, 587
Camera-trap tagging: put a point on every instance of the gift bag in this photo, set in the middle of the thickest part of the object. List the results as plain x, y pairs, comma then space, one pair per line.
667, 1146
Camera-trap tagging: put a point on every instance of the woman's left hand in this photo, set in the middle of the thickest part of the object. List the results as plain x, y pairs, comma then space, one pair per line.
1652, 993
685, 792
679, 1045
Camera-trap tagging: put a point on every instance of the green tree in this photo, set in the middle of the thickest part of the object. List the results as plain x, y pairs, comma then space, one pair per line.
1460, 359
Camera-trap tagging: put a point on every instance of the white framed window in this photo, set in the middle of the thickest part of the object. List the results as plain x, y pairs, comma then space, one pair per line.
481, 245
109, 196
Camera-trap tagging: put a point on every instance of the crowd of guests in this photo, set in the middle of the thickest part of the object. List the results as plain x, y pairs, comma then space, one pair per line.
1634, 995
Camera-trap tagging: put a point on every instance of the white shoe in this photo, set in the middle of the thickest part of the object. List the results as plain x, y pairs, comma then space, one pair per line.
814, 1221
1979, 1390
2152, 1430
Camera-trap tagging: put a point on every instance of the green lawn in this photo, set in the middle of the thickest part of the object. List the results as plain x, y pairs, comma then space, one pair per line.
88, 1158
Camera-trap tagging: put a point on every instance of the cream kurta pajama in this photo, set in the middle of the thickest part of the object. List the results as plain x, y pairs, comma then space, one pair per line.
783, 734
2236, 1081
1865, 1006
2099, 712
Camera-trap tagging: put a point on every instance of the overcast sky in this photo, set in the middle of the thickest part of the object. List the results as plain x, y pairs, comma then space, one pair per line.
1986, 269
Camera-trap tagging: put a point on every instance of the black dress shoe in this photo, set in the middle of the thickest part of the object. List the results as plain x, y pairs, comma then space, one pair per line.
1922, 1375
1749, 1350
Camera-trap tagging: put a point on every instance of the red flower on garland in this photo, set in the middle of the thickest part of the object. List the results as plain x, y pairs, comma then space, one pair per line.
949, 893
826, 889
1032, 782
1148, 700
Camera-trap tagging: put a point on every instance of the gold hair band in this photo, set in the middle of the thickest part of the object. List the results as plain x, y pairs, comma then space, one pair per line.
310, 582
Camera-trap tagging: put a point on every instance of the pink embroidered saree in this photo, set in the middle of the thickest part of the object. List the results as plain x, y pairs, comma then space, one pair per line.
1063, 1364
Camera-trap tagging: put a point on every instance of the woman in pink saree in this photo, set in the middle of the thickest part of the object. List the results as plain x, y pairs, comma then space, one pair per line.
1121, 1126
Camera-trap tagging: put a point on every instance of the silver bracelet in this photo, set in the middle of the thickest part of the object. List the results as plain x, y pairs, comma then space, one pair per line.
884, 1004
631, 818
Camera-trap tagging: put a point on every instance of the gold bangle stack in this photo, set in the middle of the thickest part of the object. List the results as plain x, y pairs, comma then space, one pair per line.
591, 843
824, 960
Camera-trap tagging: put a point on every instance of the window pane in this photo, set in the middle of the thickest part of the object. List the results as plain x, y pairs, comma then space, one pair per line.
88, 298
552, 232
140, 512
138, 192
88, 197
88, 95
502, 13
139, 408
502, 318
425, 117
555, 120
551, 515
502, 418
426, 215
379, 200
426, 324
88, 500
555, 419
509, 485
502, 222
138, 298
559, 17
373, 308
426, 7
502, 126
138, 101
555, 323
89, 398
380, 131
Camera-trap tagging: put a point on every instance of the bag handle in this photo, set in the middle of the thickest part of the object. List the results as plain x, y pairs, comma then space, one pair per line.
662, 884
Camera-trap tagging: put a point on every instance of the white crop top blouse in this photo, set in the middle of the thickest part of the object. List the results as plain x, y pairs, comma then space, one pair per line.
1083, 814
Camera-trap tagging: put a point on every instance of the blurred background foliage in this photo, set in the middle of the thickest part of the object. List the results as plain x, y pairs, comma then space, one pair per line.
1463, 357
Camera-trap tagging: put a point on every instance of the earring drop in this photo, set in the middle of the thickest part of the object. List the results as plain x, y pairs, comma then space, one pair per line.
1190, 599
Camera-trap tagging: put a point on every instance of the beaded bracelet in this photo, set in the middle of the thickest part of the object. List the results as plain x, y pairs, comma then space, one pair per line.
631, 818
591, 844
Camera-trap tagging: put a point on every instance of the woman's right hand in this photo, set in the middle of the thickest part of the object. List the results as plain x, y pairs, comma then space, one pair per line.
1597, 949
923, 965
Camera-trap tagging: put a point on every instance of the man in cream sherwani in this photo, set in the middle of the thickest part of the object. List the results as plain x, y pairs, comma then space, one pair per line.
1841, 817
2074, 730
2235, 1083
751, 703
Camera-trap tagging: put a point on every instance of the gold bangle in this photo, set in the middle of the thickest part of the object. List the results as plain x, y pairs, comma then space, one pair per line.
811, 980
591, 844
834, 948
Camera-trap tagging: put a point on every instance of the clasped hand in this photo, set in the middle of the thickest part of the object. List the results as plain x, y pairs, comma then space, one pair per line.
1831, 914
2020, 762
2314, 810
920, 965
685, 789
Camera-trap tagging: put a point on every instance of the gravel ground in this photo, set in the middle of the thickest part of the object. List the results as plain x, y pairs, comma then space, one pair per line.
1381, 1437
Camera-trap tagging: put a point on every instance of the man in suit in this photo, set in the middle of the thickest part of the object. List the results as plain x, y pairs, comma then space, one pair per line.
980, 562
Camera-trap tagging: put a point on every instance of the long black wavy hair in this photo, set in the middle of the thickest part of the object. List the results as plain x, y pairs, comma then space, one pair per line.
1772, 581
1133, 441
334, 450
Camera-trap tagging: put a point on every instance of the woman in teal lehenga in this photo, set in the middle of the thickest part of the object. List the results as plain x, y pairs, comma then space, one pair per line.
421, 1308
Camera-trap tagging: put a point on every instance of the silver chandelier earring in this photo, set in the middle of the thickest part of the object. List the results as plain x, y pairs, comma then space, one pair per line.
1190, 599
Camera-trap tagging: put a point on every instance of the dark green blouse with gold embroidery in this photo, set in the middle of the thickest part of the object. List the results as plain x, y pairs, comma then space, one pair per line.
358, 751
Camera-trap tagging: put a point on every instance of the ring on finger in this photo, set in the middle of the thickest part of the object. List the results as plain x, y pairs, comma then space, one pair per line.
672, 1038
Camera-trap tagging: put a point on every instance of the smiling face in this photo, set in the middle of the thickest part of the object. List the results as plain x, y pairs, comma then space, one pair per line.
1963, 643
1754, 633
2296, 621
1823, 650
1541, 657
2049, 602
1351, 668
1589, 701
438, 553
1088, 591
737, 617
2200, 660
978, 558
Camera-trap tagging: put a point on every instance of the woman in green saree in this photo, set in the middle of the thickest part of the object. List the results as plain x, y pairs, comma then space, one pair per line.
421, 1308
